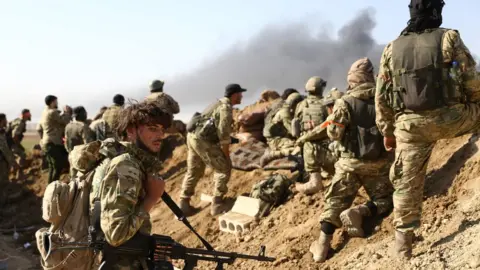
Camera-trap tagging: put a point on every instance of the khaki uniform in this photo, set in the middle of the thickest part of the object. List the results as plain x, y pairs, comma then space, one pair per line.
53, 126
315, 153
118, 184
77, 133
205, 149
110, 117
98, 129
352, 173
417, 132
282, 141
164, 101
6, 158
18, 127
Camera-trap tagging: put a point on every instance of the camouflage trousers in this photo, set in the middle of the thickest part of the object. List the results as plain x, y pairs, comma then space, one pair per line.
281, 146
201, 154
317, 157
350, 175
416, 135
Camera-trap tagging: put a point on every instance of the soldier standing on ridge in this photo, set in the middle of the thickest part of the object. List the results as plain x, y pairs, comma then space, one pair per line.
53, 127
77, 132
162, 99
424, 94
7, 159
98, 125
208, 145
362, 161
16, 130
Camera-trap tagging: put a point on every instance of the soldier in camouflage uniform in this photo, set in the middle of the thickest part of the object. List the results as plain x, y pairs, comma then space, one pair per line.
360, 162
7, 159
111, 116
98, 125
208, 144
311, 112
425, 92
164, 100
278, 130
17, 128
126, 183
53, 127
78, 132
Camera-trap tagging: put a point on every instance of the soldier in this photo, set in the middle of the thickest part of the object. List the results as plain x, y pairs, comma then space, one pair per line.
278, 130
7, 159
98, 125
164, 101
127, 184
53, 127
16, 129
77, 132
311, 112
287, 92
208, 144
112, 114
362, 161
425, 92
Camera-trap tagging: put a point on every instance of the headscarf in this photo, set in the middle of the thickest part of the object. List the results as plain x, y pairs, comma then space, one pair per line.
424, 14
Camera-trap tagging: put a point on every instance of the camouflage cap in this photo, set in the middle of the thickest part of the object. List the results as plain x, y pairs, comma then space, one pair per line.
293, 99
156, 86
360, 72
315, 83
332, 96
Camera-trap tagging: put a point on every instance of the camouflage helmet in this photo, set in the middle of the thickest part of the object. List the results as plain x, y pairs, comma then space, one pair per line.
315, 85
293, 100
332, 96
156, 86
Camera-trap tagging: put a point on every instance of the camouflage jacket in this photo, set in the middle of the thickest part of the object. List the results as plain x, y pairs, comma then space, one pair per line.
453, 49
111, 117
77, 133
53, 126
18, 127
164, 101
5, 152
283, 119
98, 129
222, 116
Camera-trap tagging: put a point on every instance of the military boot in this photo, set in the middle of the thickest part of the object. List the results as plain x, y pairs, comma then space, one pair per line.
186, 208
319, 248
352, 219
403, 245
313, 185
218, 206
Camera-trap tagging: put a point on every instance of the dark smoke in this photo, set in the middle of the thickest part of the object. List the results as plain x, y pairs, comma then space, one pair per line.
279, 57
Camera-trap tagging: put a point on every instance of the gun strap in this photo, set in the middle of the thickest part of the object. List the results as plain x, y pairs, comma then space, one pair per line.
179, 214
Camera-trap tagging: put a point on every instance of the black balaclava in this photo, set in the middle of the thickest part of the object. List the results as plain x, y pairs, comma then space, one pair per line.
424, 14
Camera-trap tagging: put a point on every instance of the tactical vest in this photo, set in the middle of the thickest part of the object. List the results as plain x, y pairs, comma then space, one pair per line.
421, 79
314, 112
363, 139
270, 128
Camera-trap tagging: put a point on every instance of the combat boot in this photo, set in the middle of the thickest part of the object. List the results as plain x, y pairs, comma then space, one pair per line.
352, 220
186, 208
403, 245
218, 206
313, 185
319, 248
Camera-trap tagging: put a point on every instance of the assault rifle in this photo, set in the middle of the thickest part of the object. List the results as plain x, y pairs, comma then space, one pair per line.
159, 250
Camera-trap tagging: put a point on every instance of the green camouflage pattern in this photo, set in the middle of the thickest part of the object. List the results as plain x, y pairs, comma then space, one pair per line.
416, 133
110, 116
350, 175
164, 101
202, 153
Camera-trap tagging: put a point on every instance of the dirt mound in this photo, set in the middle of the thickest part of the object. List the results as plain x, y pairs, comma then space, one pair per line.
446, 240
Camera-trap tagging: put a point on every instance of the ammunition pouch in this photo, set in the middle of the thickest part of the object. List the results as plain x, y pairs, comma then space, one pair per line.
192, 124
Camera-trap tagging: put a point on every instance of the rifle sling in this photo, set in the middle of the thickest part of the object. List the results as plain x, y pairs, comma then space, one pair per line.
180, 216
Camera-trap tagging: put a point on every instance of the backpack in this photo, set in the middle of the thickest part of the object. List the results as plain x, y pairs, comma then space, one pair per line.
272, 191
363, 138
66, 207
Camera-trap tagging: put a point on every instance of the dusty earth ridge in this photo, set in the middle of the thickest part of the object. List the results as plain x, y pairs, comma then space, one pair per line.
447, 239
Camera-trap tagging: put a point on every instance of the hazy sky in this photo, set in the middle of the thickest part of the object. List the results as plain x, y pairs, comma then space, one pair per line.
86, 51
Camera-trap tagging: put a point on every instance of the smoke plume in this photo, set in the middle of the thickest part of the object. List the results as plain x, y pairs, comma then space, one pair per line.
280, 57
